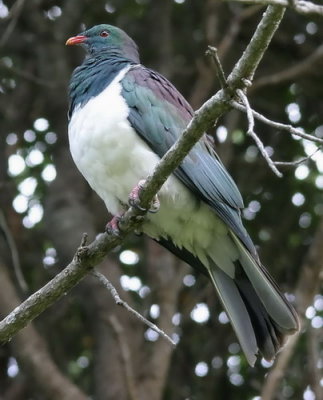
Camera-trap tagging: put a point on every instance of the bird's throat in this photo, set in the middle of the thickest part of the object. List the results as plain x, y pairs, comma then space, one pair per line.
92, 77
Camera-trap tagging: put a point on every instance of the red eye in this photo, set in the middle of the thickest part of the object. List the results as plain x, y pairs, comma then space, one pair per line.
104, 34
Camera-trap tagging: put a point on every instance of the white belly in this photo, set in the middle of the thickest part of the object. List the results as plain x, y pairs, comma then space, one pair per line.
113, 158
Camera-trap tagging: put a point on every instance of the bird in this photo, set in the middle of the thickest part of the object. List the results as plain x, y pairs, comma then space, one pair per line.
123, 117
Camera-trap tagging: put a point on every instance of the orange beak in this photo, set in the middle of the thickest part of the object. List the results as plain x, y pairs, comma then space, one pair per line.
75, 40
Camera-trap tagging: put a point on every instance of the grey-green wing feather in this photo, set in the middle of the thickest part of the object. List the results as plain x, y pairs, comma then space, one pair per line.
159, 114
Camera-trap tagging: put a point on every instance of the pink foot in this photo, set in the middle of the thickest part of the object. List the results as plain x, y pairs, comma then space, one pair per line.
134, 198
112, 227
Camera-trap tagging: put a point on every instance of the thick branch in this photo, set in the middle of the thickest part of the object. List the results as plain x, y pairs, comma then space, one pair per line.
235, 28
248, 63
87, 257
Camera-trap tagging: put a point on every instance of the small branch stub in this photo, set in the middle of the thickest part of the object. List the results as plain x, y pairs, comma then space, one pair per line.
213, 52
84, 239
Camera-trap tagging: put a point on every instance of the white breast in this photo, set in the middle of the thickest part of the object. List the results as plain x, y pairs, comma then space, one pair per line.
106, 149
113, 158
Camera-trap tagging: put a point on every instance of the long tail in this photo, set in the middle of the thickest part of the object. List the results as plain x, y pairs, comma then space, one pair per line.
260, 314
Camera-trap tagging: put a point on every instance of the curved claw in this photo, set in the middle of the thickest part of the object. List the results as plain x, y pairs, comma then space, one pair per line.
155, 205
135, 203
134, 199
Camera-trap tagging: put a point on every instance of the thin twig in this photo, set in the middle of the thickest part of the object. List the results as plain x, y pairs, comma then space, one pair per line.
108, 285
297, 162
251, 132
213, 52
304, 7
278, 125
14, 253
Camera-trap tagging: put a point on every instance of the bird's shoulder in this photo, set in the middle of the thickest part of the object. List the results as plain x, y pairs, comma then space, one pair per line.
150, 86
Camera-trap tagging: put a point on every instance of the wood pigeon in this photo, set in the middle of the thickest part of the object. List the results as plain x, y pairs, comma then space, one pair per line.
123, 117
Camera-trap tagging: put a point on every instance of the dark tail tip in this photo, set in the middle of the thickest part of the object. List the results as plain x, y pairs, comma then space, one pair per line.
270, 336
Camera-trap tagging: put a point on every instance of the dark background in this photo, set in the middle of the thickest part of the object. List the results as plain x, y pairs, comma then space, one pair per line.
85, 346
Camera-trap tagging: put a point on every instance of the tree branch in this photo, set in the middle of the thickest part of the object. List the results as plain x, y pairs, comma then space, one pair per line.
278, 125
252, 133
296, 162
250, 59
204, 80
87, 257
213, 52
108, 285
303, 7
235, 28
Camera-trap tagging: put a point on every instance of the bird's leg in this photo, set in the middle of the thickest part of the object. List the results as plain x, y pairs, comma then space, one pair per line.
112, 227
134, 198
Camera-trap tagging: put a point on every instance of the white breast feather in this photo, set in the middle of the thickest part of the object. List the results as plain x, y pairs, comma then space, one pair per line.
113, 158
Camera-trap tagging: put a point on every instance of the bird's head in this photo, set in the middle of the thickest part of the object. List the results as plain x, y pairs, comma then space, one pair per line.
106, 39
